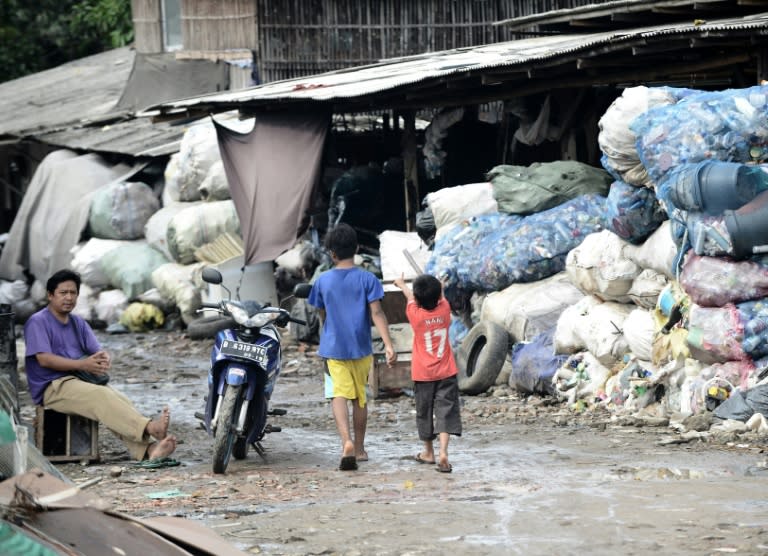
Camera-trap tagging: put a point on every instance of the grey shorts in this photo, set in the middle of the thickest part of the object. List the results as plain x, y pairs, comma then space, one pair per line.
437, 408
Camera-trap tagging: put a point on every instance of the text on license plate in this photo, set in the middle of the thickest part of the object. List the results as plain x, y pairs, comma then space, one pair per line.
246, 351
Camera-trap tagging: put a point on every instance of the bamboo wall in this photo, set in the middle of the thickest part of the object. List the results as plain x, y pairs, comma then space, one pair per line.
147, 25
218, 24
301, 37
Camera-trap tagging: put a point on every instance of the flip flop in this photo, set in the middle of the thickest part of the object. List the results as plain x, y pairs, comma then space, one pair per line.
157, 463
420, 459
444, 468
348, 463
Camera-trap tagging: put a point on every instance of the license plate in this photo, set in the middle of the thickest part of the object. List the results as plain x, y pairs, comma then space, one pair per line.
251, 352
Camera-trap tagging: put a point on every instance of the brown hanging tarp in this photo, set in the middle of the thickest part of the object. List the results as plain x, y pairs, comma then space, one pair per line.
272, 171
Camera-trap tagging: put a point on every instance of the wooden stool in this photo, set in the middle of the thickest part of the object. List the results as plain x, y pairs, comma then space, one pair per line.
63, 438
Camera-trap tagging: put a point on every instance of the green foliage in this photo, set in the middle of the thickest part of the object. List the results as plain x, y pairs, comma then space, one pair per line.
35, 36
105, 22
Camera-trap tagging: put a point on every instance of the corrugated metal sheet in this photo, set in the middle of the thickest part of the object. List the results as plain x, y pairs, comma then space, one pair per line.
381, 81
133, 137
74, 106
77, 91
625, 12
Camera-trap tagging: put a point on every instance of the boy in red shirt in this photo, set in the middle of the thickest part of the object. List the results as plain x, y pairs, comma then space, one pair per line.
433, 368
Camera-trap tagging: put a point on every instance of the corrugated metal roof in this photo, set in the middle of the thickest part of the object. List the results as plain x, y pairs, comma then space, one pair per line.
427, 70
632, 13
74, 106
133, 137
71, 93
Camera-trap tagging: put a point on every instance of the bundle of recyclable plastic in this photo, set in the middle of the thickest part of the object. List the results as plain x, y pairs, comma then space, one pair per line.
120, 210
721, 125
715, 281
598, 266
543, 185
525, 250
617, 140
461, 243
198, 151
632, 213
716, 333
452, 205
130, 266
535, 363
198, 224
754, 316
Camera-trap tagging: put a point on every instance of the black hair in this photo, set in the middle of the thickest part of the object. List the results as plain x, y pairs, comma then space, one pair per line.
64, 275
342, 241
427, 291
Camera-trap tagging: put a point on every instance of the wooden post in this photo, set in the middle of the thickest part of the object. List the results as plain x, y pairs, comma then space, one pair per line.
410, 166
762, 65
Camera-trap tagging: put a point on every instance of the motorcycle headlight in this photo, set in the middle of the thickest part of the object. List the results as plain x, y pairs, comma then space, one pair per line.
237, 311
262, 319
242, 318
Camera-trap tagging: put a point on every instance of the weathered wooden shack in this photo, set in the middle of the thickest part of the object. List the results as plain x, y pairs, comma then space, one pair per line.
292, 38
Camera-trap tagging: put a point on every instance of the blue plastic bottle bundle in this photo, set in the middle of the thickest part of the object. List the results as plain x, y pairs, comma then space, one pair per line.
632, 212
748, 227
754, 315
713, 186
720, 125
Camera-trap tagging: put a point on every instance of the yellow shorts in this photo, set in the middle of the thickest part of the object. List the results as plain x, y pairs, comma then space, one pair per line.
348, 378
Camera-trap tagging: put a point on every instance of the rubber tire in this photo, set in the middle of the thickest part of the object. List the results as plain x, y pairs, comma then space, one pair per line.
224, 439
481, 356
205, 328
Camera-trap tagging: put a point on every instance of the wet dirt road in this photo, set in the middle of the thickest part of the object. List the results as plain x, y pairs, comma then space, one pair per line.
529, 477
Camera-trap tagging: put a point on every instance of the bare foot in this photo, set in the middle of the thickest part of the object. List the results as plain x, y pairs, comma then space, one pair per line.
362, 456
161, 449
349, 449
158, 428
442, 464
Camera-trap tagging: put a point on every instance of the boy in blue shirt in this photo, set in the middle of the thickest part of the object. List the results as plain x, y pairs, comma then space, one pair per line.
349, 298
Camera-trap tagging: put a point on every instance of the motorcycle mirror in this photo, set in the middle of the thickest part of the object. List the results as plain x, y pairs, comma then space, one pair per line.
211, 275
302, 290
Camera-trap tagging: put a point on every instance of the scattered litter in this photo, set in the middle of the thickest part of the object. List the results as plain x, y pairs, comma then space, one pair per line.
173, 493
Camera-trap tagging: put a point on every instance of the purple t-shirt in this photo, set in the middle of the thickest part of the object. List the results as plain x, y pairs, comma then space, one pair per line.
345, 293
44, 333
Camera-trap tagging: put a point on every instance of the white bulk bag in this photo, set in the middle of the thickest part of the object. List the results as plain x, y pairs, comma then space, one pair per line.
599, 267
525, 310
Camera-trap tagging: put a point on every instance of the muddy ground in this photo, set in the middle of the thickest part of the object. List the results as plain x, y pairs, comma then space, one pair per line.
530, 476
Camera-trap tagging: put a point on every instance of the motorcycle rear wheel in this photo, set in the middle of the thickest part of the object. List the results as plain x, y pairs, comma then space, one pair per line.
224, 439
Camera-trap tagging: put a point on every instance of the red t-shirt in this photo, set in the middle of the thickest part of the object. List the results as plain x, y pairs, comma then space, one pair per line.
432, 357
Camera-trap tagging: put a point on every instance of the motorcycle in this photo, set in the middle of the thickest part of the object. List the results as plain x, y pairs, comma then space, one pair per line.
245, 365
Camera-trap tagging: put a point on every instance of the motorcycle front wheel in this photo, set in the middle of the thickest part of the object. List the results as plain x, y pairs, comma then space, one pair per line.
240, 451
226, 433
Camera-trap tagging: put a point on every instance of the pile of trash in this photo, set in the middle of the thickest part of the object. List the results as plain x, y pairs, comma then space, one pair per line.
146, 242
651, 299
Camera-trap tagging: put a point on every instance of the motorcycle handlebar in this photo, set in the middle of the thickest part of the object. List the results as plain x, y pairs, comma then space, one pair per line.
298, 321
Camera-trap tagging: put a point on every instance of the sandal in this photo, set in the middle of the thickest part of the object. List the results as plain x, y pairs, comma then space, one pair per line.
157, 463
420, 459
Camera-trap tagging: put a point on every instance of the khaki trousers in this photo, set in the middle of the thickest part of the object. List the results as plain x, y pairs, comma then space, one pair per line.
103, 404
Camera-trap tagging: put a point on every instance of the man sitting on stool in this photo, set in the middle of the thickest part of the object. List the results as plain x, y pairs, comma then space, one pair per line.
59, 344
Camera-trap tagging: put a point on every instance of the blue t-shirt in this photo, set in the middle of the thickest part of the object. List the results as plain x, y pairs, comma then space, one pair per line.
44, 333
344, 294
